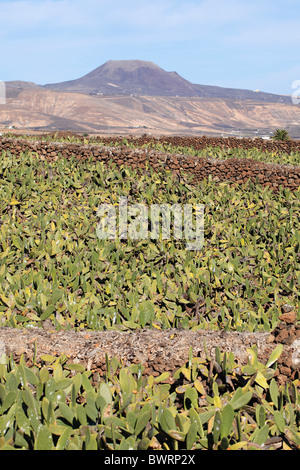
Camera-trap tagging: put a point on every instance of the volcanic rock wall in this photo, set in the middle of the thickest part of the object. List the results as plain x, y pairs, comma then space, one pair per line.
232, 170
200, 143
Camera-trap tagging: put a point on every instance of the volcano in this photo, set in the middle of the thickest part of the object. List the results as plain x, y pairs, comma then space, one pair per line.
144, 78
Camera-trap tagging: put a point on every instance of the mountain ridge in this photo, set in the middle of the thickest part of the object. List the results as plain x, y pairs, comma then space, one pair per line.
139, 96
145, 78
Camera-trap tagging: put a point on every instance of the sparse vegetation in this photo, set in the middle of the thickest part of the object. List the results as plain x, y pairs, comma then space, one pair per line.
281, 134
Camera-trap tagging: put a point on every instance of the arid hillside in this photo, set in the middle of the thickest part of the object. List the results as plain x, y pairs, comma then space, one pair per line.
36, 108
140, 78
126, 97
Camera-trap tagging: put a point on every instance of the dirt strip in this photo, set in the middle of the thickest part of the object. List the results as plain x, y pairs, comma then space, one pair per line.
156, 350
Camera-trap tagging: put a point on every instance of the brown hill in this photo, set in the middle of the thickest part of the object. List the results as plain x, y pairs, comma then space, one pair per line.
110, 100
126, 77
144, 78
36, 108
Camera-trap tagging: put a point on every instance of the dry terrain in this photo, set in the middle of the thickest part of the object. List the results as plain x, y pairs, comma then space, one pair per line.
39, 109
125, 97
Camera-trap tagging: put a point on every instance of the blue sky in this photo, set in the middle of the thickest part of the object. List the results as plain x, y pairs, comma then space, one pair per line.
252, 44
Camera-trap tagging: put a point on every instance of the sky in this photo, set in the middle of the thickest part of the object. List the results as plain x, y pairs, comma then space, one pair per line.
250, 44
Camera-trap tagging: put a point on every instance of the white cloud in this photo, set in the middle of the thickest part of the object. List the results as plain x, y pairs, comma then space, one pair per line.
158, 17
60, 39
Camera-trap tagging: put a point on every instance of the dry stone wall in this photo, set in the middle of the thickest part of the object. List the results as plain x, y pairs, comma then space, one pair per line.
233, 170
200, 143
